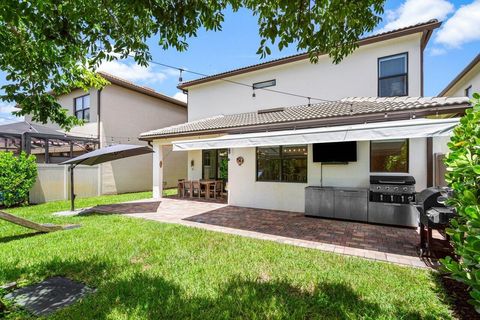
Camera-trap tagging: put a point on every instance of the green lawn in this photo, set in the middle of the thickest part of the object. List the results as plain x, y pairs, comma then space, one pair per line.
149, 270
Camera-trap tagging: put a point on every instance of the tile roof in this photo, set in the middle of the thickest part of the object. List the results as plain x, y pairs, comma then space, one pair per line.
141, 89
344, 108
419, 27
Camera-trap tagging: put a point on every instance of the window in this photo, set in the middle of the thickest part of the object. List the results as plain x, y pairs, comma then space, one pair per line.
265, 84
282, 163
389, 155
468, 92
393, 76
82, 107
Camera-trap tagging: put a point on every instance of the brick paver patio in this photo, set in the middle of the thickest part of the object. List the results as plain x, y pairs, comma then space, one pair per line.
296, 225
383, 243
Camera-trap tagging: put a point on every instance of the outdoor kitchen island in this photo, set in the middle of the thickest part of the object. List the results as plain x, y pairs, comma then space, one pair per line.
387, 201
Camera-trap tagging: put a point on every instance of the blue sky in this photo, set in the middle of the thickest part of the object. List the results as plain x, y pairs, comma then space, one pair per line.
450, 49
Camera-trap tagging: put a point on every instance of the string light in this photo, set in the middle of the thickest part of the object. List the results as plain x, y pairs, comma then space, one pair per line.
180, 79
236, 82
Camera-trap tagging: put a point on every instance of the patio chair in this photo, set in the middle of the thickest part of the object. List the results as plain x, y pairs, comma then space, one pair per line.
187, 188
212, 189
218, 189
196, 188
181, 188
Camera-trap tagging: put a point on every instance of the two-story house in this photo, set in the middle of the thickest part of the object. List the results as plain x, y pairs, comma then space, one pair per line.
288, 124
118, 113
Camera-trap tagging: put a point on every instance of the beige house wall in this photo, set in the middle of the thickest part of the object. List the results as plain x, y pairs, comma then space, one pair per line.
124, 114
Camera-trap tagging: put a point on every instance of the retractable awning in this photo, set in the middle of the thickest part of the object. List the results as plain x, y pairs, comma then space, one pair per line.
414, 128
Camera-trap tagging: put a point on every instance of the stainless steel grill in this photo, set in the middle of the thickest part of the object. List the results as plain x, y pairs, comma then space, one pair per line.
389, 200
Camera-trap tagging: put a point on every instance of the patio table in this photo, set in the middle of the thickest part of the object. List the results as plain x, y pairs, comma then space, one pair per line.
207, 184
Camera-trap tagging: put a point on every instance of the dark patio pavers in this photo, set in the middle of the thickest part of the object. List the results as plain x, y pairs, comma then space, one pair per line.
389, 239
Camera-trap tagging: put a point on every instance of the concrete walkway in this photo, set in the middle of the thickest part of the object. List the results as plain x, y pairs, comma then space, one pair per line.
199, 214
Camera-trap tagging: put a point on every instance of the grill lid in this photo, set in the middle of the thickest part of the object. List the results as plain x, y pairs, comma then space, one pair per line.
399, 180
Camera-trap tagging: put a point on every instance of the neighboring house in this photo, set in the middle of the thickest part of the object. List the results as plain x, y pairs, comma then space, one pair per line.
271, 140
118, 114
466, 82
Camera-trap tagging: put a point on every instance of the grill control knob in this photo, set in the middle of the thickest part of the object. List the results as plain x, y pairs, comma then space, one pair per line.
387, 188
378, 187
405, 188
396, 188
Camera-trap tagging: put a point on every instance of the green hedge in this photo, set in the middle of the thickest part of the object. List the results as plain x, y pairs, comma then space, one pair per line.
17, 176
463, 176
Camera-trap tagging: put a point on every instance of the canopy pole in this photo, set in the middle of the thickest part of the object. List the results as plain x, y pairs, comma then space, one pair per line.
72, 189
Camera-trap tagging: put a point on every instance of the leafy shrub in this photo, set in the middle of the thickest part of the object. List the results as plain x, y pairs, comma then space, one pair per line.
463, 176
17, 176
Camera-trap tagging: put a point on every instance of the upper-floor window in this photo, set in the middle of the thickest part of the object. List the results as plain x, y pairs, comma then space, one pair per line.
393, 76
468, 91
82, 107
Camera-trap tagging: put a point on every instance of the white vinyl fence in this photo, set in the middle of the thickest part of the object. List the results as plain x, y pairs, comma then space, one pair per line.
53, 183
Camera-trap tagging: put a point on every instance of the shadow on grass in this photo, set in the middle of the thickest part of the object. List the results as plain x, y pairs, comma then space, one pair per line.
20, 236
146, 295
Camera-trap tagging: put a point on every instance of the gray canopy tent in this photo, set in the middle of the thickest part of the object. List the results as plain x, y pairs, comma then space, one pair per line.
102, 155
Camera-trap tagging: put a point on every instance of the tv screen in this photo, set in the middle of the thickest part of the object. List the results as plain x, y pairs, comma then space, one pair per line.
335, 152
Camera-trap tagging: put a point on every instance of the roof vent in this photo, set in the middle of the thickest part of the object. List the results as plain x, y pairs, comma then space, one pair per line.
270, 110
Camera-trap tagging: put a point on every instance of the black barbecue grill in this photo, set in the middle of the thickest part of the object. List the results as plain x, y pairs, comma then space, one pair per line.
434, 215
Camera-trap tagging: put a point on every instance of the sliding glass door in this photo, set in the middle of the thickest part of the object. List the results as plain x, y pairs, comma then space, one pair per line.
215, 164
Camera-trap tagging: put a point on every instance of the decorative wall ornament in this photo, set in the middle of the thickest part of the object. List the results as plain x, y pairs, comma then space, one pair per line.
240, 160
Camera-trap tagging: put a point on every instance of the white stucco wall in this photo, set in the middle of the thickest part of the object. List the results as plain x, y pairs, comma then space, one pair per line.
356, 75
245, 191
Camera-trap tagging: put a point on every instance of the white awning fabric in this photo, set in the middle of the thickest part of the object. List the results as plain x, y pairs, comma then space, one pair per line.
414, 128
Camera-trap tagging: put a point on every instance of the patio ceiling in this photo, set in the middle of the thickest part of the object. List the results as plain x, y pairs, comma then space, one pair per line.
414, 128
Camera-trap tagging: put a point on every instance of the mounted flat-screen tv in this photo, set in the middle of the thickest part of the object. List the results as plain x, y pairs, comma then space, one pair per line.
335, 152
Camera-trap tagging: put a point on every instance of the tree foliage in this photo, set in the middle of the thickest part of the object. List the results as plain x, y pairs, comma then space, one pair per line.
17, 176
52, 45
463, 176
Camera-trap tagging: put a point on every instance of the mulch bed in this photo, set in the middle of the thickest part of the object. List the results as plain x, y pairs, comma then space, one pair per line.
458, 292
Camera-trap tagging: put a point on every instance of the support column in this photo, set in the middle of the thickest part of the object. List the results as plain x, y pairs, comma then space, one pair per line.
157, 170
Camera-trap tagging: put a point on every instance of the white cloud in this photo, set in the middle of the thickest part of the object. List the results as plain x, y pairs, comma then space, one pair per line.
133, 72
415, 11
6, 115
6, 108
462, 27
180, 96
437, 51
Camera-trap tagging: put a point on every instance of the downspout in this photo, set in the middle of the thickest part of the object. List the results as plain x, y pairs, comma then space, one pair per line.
99, 93
100, 169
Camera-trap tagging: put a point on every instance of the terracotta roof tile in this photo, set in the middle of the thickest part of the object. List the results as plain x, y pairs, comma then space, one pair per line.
334, 109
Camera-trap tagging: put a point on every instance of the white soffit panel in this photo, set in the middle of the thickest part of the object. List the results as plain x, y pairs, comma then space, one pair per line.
414, 128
